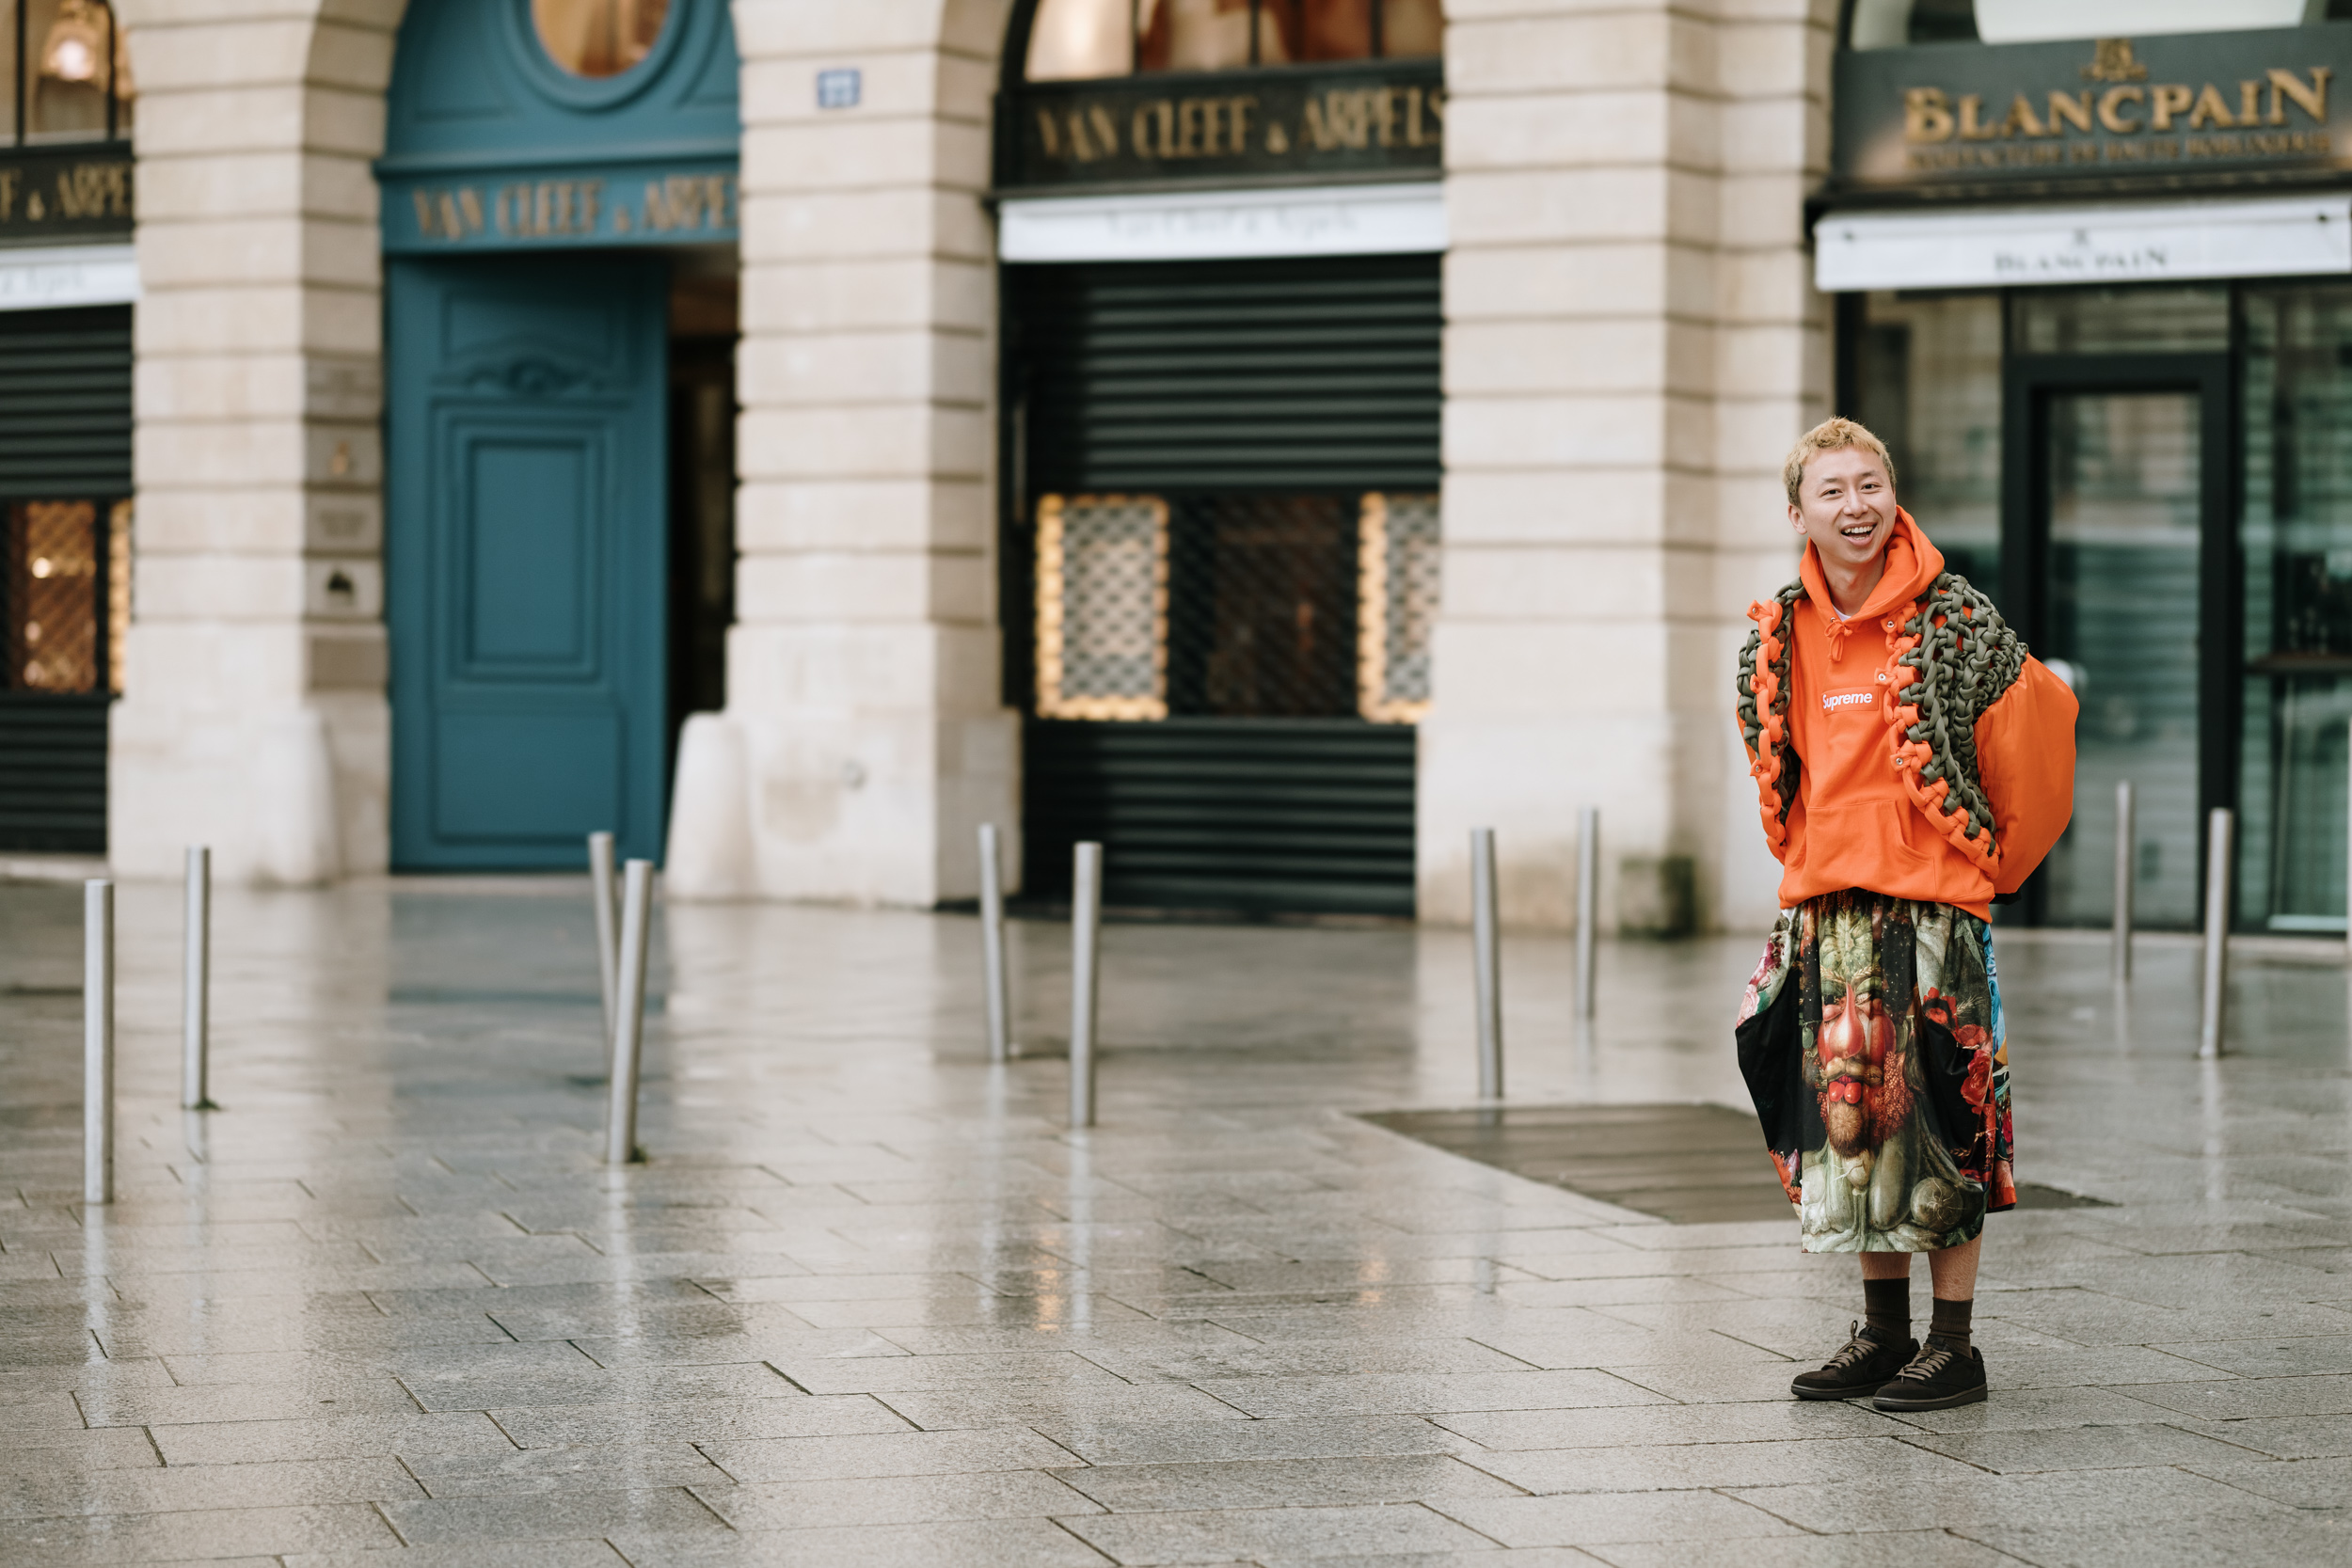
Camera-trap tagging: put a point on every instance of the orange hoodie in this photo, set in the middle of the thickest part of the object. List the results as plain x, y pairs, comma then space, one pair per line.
1854, 823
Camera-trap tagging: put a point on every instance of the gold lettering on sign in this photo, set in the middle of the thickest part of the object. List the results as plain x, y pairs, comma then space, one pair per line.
2166, 101
8, 194
2073, 108
543, 209
1925, 117
1934, 115
2111, 109
2111, 60
94, 191
1079, 135
688, 201
448, 214
2313, 100
1185, 129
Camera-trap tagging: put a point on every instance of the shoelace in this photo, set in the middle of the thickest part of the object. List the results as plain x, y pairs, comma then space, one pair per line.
1931, 1361
1857, 1350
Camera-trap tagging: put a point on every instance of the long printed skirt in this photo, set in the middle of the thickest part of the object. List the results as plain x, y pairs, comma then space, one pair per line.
1880, 1074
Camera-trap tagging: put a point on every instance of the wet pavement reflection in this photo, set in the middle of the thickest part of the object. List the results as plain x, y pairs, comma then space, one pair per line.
869, 1303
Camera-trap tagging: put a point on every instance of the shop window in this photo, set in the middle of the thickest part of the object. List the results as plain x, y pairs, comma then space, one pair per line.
1102, 607
71, 70
1236, 605
597, 37
1397, 562
2296, 536
68, 595
1083, 39
2192, 320
1901, 23
1929, 387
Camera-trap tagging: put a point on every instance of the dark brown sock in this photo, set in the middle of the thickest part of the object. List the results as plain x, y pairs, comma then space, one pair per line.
1950, 1323
1886, 1307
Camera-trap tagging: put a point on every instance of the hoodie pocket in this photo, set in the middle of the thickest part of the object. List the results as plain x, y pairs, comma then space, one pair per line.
1869, 845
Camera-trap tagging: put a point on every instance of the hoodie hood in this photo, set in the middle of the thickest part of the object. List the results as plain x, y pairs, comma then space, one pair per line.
1913, 563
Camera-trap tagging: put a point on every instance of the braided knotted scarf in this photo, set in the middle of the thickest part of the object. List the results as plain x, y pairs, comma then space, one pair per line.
1963, 657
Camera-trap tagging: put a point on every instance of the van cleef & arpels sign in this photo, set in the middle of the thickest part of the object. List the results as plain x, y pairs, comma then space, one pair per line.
1377, 118
2188, 109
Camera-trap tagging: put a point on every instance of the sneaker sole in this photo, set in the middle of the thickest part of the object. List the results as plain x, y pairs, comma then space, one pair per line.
1967, 1396
1863, 1392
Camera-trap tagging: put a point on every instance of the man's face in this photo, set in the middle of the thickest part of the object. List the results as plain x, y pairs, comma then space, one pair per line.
1845, 506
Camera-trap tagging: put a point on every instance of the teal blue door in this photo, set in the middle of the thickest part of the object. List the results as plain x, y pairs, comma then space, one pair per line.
526, 549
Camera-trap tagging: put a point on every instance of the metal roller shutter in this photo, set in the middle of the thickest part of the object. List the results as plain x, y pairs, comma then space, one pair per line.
64, 431
1241, 394
1315, 374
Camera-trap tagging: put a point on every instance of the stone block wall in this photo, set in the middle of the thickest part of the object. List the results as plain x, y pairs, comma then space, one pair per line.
254, 716
1632, 341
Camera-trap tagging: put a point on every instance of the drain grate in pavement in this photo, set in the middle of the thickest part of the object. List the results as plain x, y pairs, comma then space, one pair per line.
1686, 1165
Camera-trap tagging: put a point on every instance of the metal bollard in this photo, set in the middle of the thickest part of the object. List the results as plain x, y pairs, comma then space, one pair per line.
2219, 863
196, 986
1587, 906
1086, 973
600, 884
1487, 963
993, 945
628, 1033
98, 1042
2125, 845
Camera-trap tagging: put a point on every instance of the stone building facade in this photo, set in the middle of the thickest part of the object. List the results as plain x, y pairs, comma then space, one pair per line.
1631, 340
1631, 333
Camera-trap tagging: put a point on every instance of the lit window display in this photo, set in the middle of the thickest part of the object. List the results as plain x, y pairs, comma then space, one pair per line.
597, 37
1082, 40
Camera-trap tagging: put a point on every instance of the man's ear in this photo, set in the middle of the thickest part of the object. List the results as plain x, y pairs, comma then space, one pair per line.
1796, 519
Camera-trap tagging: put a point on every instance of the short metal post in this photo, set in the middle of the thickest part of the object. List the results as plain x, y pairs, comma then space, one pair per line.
1587, 907
993, 945
1486, 962
98, 1042
2126, 844
601, 885
1085, 971
628, 1033
196, 986
2219, 863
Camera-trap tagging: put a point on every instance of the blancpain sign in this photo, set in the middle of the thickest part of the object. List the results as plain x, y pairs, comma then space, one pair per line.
2019, 247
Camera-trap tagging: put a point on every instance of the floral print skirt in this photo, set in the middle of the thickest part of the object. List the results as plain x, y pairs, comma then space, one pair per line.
1872, 1042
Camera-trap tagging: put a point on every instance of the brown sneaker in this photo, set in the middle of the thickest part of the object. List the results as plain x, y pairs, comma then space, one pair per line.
1867, 1364
1939, 1379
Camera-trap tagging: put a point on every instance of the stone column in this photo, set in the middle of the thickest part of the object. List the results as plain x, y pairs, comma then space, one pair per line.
1631, 346
254, 716
866, 737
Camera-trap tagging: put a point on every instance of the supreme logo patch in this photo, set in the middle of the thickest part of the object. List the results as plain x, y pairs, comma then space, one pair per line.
1832, 700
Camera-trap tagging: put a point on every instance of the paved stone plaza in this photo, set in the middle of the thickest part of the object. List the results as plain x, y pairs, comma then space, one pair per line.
870, 1304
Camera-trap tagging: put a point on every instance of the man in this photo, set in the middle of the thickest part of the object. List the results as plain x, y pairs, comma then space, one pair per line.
1914, 765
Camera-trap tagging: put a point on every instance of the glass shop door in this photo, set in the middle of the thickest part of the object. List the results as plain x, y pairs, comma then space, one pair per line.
2117, 563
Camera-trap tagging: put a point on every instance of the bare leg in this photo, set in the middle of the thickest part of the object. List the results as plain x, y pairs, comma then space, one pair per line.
1953, 1269
1896, 1265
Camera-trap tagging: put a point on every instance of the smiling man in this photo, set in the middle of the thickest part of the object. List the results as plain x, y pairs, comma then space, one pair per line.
1914, 764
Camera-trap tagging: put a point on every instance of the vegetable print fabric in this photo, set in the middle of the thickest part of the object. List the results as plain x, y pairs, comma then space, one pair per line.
1894, 1133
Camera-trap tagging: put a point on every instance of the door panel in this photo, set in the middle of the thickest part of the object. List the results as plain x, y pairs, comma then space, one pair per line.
527, 551
2123, 561
2118, 565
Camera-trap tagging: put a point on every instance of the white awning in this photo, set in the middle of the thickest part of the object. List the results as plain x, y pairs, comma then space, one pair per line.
1183, 226
2010, 247
52, 277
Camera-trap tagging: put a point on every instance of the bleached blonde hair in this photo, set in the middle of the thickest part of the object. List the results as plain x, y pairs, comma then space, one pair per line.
1830, 436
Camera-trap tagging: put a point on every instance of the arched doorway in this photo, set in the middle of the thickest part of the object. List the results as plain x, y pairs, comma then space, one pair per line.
559, 226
